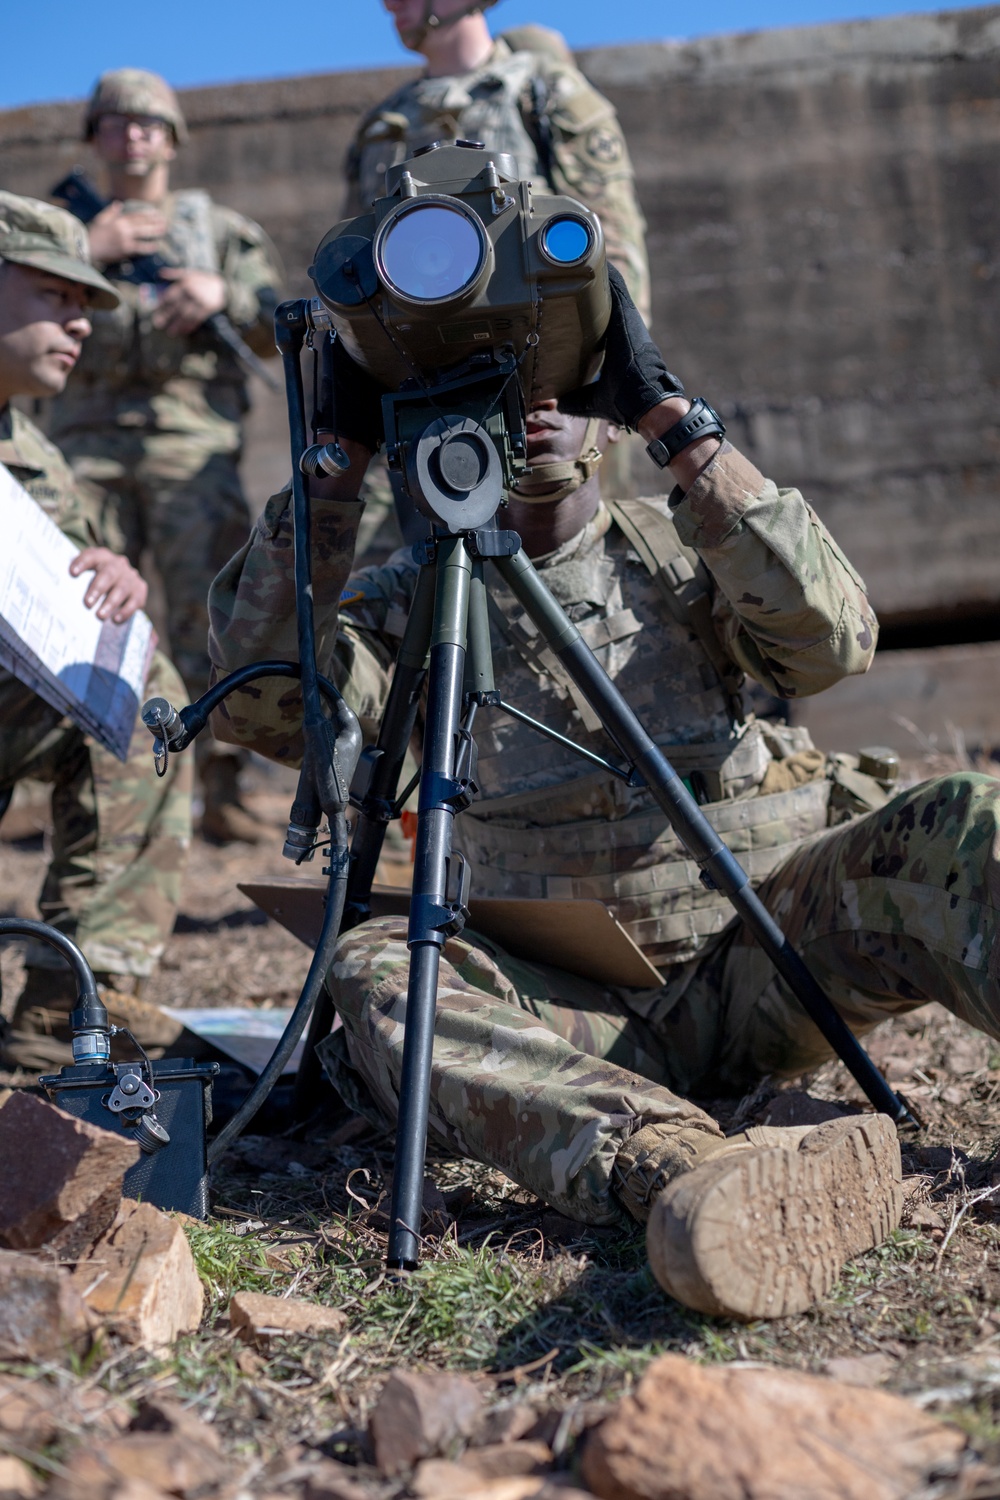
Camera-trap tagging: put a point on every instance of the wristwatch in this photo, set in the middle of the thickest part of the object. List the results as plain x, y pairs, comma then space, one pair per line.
700, 422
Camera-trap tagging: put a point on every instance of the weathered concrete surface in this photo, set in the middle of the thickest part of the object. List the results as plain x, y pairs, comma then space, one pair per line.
824, 229
913, 700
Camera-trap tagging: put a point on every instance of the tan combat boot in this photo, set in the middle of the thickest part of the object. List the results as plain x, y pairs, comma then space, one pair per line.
38, 1038
225, 820
760, 1225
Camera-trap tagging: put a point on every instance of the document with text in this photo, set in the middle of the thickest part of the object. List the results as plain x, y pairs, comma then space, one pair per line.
91, 670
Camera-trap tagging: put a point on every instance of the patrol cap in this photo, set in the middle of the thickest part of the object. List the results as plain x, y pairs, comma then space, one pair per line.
37, 234
133, 91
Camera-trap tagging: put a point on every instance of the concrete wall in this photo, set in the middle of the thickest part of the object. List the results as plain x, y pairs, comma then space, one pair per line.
824, 228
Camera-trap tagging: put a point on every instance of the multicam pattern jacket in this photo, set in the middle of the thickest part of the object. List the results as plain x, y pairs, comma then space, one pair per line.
133, 375
787, 608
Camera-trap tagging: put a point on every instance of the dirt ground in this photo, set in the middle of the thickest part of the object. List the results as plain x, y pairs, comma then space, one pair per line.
549, 1314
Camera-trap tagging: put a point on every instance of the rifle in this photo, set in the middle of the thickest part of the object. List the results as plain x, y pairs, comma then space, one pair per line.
77, 193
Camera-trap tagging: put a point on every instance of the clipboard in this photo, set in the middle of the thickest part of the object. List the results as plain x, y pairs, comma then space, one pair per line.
583, 937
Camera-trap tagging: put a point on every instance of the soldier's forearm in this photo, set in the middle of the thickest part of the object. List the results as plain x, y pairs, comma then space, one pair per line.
795, 613
252, 601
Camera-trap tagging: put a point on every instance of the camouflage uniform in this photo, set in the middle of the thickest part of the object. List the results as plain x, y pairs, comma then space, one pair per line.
565, 137
156, 420
120, 834
537, 1070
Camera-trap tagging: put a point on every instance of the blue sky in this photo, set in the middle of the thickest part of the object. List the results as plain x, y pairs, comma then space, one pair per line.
53, 49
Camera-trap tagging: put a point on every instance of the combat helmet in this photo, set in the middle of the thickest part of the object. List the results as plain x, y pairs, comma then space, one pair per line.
414, 35
133, 91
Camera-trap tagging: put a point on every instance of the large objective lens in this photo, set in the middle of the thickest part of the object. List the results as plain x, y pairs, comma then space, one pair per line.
431, 252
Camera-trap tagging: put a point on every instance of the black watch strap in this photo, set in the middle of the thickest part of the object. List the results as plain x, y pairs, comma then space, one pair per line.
700, 422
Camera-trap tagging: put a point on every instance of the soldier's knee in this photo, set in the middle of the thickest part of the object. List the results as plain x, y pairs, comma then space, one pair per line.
365, 958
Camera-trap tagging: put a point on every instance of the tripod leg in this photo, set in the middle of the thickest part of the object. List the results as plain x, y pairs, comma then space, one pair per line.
717, 862
431, 916
395, 733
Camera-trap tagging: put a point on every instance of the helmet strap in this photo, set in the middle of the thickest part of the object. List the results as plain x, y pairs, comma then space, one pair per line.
567, 476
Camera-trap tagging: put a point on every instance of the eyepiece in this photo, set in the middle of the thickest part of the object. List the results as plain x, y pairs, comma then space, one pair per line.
566, 240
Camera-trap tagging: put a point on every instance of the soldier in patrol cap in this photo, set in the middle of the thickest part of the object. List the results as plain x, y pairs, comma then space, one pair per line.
581, 1091
120, 834
155, 412
521, 93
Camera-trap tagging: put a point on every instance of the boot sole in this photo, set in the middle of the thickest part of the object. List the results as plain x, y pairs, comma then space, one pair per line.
765, 1233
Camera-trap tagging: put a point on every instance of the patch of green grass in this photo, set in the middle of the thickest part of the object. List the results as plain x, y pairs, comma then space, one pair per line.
229, 1263
454, 1309
979, 1420
614, 1360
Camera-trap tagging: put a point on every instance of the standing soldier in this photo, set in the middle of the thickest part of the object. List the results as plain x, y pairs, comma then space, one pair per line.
120, 833
154, 414
524, 96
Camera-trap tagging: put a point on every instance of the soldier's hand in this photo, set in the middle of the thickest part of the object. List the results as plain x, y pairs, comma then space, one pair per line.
633, 378
116, 235
191, 297
116, 588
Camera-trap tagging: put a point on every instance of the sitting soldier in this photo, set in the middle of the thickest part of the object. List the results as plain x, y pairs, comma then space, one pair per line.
580, 1091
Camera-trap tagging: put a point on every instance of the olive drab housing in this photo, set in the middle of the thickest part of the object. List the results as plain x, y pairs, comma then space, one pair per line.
462, 258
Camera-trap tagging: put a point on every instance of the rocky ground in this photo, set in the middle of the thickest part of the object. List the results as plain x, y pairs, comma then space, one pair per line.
551, 1321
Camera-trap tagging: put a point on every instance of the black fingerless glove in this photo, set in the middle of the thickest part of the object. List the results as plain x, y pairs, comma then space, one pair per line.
350, 400
633, 378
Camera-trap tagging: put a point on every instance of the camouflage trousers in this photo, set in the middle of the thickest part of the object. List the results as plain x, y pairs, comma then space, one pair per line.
179, 495
120, 834
544, 1074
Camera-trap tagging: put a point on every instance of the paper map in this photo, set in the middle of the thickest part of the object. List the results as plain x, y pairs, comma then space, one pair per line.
92, 670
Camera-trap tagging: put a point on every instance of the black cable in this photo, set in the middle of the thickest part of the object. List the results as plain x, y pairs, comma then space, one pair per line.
321, 961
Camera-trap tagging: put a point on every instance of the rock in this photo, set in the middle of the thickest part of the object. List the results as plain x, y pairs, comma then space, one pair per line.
168, 1461
924, 1216
53, 1169
160, 1414
258, 1319
418, 1415
860, 1369
436, 1477
504, 1423
140, 1278
77, 1239
718, 1433
26, 1411
332, 1481
35, 1413
140, 1467
17, 1482
41, 1312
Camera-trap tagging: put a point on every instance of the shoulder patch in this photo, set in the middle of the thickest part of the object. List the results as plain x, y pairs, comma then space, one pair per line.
604, 145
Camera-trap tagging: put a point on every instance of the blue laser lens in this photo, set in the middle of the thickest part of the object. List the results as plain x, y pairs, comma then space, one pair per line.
431, 253
566, 240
